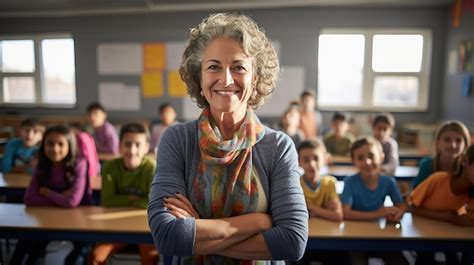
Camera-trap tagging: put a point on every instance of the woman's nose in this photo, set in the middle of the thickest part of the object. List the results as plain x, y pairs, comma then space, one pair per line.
227, 78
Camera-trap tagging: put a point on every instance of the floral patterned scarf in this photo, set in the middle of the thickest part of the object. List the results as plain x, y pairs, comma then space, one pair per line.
226, 183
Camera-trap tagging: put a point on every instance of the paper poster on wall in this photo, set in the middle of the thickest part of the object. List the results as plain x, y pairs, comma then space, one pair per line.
118, 96
154, 57
119, 59
176, 86
190, 109
152, 84
174, 54
288, 88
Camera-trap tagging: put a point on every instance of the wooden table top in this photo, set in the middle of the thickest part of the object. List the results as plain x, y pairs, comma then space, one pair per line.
84, 218
411, 227
22, 180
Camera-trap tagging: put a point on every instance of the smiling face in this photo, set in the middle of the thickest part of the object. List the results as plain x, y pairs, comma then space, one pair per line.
226, 77
311, 160
450, 144
56, 147
368, 160
133, 147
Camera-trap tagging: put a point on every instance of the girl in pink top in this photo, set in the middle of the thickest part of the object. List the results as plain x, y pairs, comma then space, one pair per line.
60, 179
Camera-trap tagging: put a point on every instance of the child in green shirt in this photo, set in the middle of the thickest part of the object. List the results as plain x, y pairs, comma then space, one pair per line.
126, 182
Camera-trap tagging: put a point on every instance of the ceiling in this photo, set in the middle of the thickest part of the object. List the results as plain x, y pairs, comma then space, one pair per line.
58, 8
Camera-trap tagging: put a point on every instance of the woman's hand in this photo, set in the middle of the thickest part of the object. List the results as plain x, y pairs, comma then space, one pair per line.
180, 206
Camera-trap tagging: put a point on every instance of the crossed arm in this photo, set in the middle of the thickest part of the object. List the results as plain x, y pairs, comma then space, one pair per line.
238, 237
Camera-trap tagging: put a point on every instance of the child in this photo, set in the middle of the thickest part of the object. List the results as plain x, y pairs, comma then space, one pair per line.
311, 120
364, 193
167, 118
105, 134
339, 141
290, 122
452, 138
60, 179
126, 182
321, 197
319, 191
442, 196
382, 127
20, 152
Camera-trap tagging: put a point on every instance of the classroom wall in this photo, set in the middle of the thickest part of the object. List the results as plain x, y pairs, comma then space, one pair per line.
455, 105
297, 34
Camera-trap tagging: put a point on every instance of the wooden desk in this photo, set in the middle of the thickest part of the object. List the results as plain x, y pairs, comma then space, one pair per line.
15, 184
91, 223
402, 173
21, 181
414, 233
341, 160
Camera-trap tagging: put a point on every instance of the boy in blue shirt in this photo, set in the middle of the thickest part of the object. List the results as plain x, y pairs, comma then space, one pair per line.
364, 193
20, 152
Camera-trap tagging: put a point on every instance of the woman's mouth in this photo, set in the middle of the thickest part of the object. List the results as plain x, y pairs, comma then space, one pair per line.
226, 92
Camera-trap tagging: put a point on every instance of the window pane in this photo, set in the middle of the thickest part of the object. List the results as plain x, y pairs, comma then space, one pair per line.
340, 64
19, 89
58, 71
397, 53
17, 56
396, 91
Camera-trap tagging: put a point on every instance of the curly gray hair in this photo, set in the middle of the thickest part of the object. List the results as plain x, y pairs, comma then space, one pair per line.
253, 41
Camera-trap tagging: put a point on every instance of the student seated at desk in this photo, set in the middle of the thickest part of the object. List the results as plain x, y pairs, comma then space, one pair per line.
19, 155
364, 193
126, 181
290, 124
60, 179
167, 118
321, 197
319, 191
451, 139
382, 128
339, 140
105, 134
443, 196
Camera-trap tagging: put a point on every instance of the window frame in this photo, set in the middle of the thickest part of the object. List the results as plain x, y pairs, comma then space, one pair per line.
369, 75
37, 74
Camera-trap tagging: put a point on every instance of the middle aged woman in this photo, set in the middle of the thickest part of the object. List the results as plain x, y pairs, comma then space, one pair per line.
226, 189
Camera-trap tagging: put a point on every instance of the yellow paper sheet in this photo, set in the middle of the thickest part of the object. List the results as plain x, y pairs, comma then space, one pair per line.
154, 56
176, 86
152, 84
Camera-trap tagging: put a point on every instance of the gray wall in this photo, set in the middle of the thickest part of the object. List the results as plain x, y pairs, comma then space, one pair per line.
456, 106
296, 29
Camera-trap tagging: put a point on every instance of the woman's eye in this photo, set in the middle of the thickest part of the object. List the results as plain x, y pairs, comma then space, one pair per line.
239, 68
213, 67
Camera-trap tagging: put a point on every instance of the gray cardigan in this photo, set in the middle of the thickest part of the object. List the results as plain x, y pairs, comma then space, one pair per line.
275, 159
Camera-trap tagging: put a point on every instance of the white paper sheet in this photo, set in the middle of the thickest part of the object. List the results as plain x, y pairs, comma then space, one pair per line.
119, 97
288, 88
452, 62
120, 58
174, 54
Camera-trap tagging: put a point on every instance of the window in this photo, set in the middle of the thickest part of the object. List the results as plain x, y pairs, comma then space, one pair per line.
373, 69
37, 70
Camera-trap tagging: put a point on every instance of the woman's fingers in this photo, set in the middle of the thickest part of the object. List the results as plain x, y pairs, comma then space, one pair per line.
180, 207
188, 203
